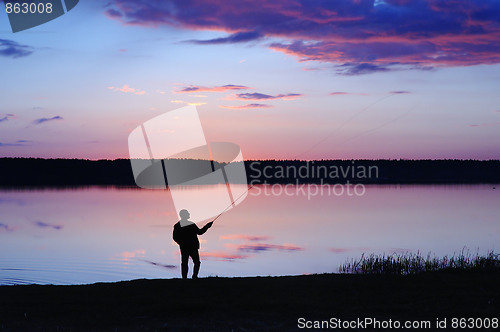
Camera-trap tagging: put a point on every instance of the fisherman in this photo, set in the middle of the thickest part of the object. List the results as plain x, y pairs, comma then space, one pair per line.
186, 236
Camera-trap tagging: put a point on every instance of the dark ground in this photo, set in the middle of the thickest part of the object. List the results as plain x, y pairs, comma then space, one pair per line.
247, 304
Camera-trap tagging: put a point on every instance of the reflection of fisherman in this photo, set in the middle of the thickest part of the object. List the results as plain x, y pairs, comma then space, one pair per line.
186, 235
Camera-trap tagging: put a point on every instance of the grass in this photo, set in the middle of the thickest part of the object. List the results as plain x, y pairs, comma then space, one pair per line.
412, 263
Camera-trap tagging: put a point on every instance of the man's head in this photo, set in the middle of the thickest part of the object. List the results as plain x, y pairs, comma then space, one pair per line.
184, 214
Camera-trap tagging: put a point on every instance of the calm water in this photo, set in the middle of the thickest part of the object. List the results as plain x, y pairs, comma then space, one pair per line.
72, 236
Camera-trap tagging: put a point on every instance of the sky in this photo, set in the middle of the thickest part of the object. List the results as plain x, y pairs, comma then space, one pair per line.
283, 79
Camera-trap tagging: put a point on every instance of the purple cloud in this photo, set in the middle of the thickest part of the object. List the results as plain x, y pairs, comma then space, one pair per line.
167, 266
12, 144
112, 13
6, 227
247, 106
12, 49
6, 117
244, 237
42, 120
261, 96
46, 225
223, 88
221, 256
362, 36
350, 69
488, 124
266, 247
343, 93
238, 37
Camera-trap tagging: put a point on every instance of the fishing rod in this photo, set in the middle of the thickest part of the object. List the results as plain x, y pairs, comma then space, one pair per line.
232, 203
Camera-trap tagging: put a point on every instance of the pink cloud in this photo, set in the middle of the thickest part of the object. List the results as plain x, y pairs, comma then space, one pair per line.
188, 103
127, 89
247, 106
127, 255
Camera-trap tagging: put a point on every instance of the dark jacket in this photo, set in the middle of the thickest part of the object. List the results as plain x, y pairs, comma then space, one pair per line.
187, 237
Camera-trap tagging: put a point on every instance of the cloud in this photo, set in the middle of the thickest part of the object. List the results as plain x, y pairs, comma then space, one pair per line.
42, 120
350, 69
167, 266
261, 96
6, 227
311, 68
259, 247
127, 89
12, 49
365, 36
185, 102
222, 256
42, 224
112, 13
244, 237
17, 143
343, 93
247, 106
238, 37
223, 88
6, 117
487, 124
127, 255
399, 92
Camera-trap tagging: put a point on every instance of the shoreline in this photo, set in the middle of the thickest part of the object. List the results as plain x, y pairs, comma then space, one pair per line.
247, 303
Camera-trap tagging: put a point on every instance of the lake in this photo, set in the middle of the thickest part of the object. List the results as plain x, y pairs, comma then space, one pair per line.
104, 234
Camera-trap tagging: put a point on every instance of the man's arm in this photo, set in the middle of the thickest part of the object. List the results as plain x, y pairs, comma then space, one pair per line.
205, 228
175, 235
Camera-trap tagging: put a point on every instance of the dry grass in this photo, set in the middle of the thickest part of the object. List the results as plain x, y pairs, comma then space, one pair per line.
413, 263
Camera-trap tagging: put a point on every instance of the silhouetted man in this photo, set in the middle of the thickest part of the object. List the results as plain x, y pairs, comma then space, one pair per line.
186, 236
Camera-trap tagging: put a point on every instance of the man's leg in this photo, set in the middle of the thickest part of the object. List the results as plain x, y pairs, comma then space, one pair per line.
196, 260
184, 263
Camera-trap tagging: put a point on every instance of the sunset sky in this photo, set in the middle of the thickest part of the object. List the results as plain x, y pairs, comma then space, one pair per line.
284, 79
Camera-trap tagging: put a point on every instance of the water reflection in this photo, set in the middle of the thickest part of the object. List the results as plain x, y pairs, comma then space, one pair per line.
85, 235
